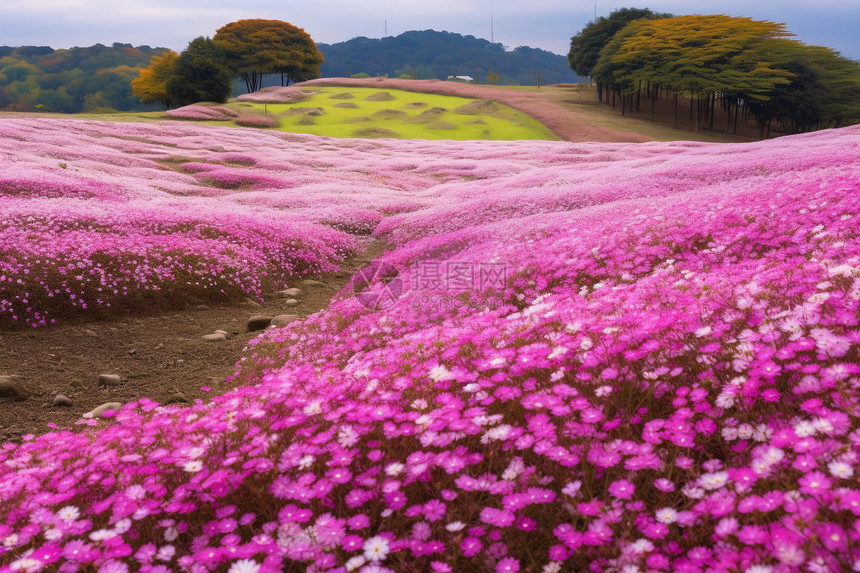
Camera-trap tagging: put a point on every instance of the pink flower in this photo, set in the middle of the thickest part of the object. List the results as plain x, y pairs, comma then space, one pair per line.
508, 565
622, 489
814, 483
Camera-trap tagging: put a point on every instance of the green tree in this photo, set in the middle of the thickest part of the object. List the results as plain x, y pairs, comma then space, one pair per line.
201, 74
256, 48
824, 91
150, 86
586, 46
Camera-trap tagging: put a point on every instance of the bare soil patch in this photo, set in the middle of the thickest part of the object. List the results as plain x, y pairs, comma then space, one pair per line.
162, 356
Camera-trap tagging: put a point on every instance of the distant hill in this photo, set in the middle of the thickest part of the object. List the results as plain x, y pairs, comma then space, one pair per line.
430, 54
73, 80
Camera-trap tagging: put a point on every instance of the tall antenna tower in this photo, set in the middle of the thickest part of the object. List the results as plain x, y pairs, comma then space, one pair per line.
492, 36
595, 10
386, 27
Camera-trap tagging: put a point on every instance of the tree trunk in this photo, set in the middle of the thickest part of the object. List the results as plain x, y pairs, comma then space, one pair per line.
735, 128
653, 94
696, 119
728, 115
713, 104
675, 111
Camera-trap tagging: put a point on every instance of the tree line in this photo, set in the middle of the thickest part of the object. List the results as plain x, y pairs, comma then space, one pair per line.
749, 68
72, 80
246, 49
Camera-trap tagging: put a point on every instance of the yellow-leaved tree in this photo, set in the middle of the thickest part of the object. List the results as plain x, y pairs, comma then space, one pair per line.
151, 85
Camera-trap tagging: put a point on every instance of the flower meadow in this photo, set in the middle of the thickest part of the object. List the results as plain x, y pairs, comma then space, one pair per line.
587, 357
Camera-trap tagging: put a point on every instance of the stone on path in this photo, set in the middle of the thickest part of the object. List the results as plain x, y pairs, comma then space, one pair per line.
258, 323
291, 302
110, 379
227, 335
98, 412
290, 292
214, 337
282, 320
62, 401
10, 387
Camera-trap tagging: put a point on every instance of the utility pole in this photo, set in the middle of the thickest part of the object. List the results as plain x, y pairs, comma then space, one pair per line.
492, 36
386, 28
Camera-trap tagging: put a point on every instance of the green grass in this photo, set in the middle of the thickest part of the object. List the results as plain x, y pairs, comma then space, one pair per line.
375, 112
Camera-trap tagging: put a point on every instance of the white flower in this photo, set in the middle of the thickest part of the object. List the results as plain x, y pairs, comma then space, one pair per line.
440, 373
759, 569
193, 466
552, 567
840, 469
69, 513
714, 480
244, 566
355, 563
376, 548
394, 469
704, 331
313, 408
306, 462
347, 436
455, 526
642, 546
666, 515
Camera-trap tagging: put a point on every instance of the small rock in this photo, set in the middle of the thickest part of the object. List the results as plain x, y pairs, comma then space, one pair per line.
62, 401
282, 320
286, 293
90, 332
110, 379
11, 388
248, 303
227, 335
215, 337
97, 413
200, 307
258, 323
132, 351
313, 283
291, 302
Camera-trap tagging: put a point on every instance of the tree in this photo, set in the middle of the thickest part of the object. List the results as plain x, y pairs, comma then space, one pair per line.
702, 56
585, 47
201, 74
151, 85
255, 48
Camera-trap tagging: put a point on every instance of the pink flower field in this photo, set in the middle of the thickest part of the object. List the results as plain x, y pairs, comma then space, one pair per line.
573, 357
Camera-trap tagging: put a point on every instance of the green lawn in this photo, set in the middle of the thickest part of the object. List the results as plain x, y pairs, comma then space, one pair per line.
372, 112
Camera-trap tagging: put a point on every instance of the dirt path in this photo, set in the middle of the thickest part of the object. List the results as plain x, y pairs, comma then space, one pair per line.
160, 357
568, 124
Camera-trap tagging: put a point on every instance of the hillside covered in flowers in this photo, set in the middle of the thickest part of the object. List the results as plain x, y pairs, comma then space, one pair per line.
573, 357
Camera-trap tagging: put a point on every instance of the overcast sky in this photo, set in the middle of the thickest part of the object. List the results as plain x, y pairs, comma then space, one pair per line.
547, 24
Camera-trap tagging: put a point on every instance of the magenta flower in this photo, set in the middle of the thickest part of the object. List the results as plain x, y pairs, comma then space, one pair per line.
622, 489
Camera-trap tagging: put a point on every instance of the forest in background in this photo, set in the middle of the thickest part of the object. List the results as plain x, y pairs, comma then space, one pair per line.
429, 54
39, 78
